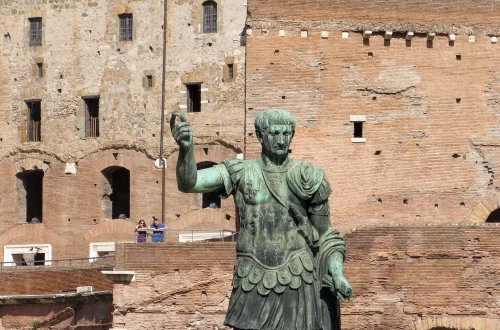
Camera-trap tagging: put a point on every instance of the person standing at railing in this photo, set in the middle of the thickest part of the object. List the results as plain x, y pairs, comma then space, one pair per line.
157, 230
141, 235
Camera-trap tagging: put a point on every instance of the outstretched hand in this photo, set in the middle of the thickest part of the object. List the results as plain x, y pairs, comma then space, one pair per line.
181, 131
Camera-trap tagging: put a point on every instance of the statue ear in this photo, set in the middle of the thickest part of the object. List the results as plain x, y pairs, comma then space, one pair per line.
259, 136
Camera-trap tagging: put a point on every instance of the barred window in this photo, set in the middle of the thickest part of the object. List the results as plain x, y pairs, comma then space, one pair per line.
39, 68
230, 71
209, 17
91, 116
125, 27
34, 120
35, 31
150, 81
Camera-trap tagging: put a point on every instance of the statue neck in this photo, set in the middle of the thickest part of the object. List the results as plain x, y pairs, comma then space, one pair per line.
274, 161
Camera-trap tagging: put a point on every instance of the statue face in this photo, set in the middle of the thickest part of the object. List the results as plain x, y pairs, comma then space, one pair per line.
276, 140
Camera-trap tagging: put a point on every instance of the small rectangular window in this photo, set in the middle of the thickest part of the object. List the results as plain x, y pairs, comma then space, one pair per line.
92, 117
193, 97
35, 36
39, 69
125, 27
150, 81
230, 71
358, 129
34, 120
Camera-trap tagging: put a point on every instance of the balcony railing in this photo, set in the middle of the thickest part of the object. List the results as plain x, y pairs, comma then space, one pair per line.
146, 235
104, 262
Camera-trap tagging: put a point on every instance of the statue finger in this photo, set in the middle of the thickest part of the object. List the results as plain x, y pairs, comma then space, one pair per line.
183, 118
182, 130
172, 121
184, 136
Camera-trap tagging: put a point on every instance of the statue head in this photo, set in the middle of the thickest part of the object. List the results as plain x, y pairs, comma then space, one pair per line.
275, 129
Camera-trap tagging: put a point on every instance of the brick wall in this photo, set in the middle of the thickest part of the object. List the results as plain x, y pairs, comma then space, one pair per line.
50, 282
427, 158
402, 277
86, 58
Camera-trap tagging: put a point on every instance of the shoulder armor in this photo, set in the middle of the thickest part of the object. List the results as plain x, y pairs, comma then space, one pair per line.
306, 179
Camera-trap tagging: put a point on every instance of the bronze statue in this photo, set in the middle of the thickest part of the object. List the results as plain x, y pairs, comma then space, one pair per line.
288, 272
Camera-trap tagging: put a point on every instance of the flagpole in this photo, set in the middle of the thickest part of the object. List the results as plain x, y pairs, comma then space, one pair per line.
162, 128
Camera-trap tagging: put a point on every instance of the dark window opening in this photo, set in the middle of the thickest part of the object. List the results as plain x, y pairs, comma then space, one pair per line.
34, 121
193, 97
230, 71
458, 57
125, 27
209, 17
494, 216
33, 189
92, 117
150, 81
25, 259
212, 199
35, 31
116, 194
39, 67
358, 129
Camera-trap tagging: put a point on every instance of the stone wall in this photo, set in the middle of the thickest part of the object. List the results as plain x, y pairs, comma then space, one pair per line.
82, 56
48, 298
429, 109
403, 277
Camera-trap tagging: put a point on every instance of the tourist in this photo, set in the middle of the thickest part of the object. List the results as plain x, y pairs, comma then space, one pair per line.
157, 232
141, 234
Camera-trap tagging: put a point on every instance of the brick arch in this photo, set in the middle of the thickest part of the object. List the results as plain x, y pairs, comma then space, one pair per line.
111, 231
30, 164
104, 159
458, 323
484, 208
41, 234
206, 153
205, 218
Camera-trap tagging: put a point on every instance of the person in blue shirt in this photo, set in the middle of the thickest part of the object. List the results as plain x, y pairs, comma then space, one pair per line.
157, 234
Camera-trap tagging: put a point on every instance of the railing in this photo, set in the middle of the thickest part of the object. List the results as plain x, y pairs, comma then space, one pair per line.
103, 262
185, 235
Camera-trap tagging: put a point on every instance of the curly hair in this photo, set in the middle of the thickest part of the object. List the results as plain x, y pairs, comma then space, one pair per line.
273, 117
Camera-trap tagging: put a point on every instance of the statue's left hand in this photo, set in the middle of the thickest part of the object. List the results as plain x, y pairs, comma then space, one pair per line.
342, 287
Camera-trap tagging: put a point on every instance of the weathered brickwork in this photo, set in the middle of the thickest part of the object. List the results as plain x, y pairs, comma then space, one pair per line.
47, 298
81, 55
403, 277
430, 108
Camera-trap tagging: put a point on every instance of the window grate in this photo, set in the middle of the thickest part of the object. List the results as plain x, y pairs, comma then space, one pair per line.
35, 31
92, 117
126, 22
150, 81
34, 121
230, 71
209, 17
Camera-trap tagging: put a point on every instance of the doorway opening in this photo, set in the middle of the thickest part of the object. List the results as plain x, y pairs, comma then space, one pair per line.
116, 193
31, 190
212, 199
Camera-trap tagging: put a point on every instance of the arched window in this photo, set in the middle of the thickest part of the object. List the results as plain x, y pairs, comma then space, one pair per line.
211, 199
209, 17
494, 216
116, 193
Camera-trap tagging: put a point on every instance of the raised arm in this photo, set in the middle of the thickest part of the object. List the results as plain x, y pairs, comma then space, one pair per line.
189, 179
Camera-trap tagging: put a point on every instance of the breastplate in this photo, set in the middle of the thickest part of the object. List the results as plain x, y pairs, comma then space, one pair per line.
268, 233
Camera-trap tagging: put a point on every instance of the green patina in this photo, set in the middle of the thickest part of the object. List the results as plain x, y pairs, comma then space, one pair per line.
288, 271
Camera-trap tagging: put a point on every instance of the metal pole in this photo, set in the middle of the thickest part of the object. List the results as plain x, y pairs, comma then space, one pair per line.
162, 163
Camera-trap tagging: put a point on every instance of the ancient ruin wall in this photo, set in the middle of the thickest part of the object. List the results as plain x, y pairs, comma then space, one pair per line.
81, 55
403, 277
428, 105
